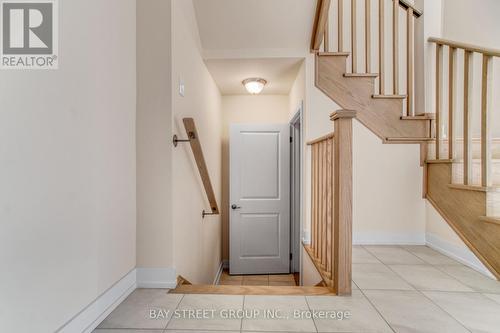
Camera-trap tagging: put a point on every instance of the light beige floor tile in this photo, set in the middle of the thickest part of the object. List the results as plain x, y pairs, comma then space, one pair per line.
495, 297
134, 312
192, 331
475, 311
377, 276
410, 311
362, 256
219, 304
283, 307
393, 255
430, 256
363, 316
426, 277
473, 279
125, 331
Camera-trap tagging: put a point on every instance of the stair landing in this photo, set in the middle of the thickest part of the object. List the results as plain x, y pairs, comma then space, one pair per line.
252, 290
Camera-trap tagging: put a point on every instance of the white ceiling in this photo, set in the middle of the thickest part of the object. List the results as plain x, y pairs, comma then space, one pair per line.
280, 74
250, 25
254, 38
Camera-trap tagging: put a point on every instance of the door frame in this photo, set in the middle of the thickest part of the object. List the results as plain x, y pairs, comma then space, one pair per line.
296, 188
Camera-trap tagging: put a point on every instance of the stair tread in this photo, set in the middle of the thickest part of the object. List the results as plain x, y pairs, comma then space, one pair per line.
441, 161
374, 75
252, 290
408, 139
342, 54
427, 116
490, 219
474, 188
389, 96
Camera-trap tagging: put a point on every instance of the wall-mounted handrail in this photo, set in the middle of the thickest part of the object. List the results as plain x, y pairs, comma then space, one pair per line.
195, 144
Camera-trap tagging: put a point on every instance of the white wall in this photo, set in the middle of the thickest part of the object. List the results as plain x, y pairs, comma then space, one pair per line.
197, 241
154, 135
67, 160
245, 109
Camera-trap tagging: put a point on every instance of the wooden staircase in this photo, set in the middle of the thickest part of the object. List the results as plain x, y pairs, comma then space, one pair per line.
471, 209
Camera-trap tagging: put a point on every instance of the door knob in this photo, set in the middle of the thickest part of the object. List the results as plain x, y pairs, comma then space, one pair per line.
234, 207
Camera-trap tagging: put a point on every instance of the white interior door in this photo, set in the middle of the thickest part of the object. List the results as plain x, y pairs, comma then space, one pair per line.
260, 199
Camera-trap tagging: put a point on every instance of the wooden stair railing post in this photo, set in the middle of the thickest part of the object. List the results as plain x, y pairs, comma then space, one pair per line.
342, 218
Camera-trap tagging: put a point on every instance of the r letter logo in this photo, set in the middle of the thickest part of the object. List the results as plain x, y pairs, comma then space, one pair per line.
29, 34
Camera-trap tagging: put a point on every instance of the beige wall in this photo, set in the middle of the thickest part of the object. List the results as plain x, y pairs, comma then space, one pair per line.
250, 110
154, 135
67, 160
197, 241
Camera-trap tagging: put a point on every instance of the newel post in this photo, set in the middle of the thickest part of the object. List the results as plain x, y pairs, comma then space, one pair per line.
342, 175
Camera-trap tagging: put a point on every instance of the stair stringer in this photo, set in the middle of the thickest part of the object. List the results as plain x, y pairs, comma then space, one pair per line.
462, 209
381, 115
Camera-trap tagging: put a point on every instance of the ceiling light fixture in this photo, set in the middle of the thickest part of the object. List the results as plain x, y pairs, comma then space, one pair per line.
254, 85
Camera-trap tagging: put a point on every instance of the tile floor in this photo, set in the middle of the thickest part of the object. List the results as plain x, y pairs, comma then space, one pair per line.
396, 289
257, 280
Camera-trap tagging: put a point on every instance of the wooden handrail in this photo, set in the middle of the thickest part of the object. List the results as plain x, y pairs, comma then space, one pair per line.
320, 20
321, 139
406, 5
195, 144
465, 46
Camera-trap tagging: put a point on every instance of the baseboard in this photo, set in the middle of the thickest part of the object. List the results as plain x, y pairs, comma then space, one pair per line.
90, 317
460, 253
388, 238
162, 278
225, 264
219, 273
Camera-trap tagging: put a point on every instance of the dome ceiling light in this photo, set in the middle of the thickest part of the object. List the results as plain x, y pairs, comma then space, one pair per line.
254, 85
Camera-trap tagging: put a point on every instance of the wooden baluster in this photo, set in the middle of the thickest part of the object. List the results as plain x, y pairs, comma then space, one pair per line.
395, 46
368, 35
320, 199
325, 202
439, 60
329, 208
468, 91
354, 46
381, 46
313, 196
326, 42
341, 25
486, 104
451, 103
342, 242
410, 56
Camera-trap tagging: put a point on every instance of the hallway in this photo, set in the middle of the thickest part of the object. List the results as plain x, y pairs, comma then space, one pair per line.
395, 289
